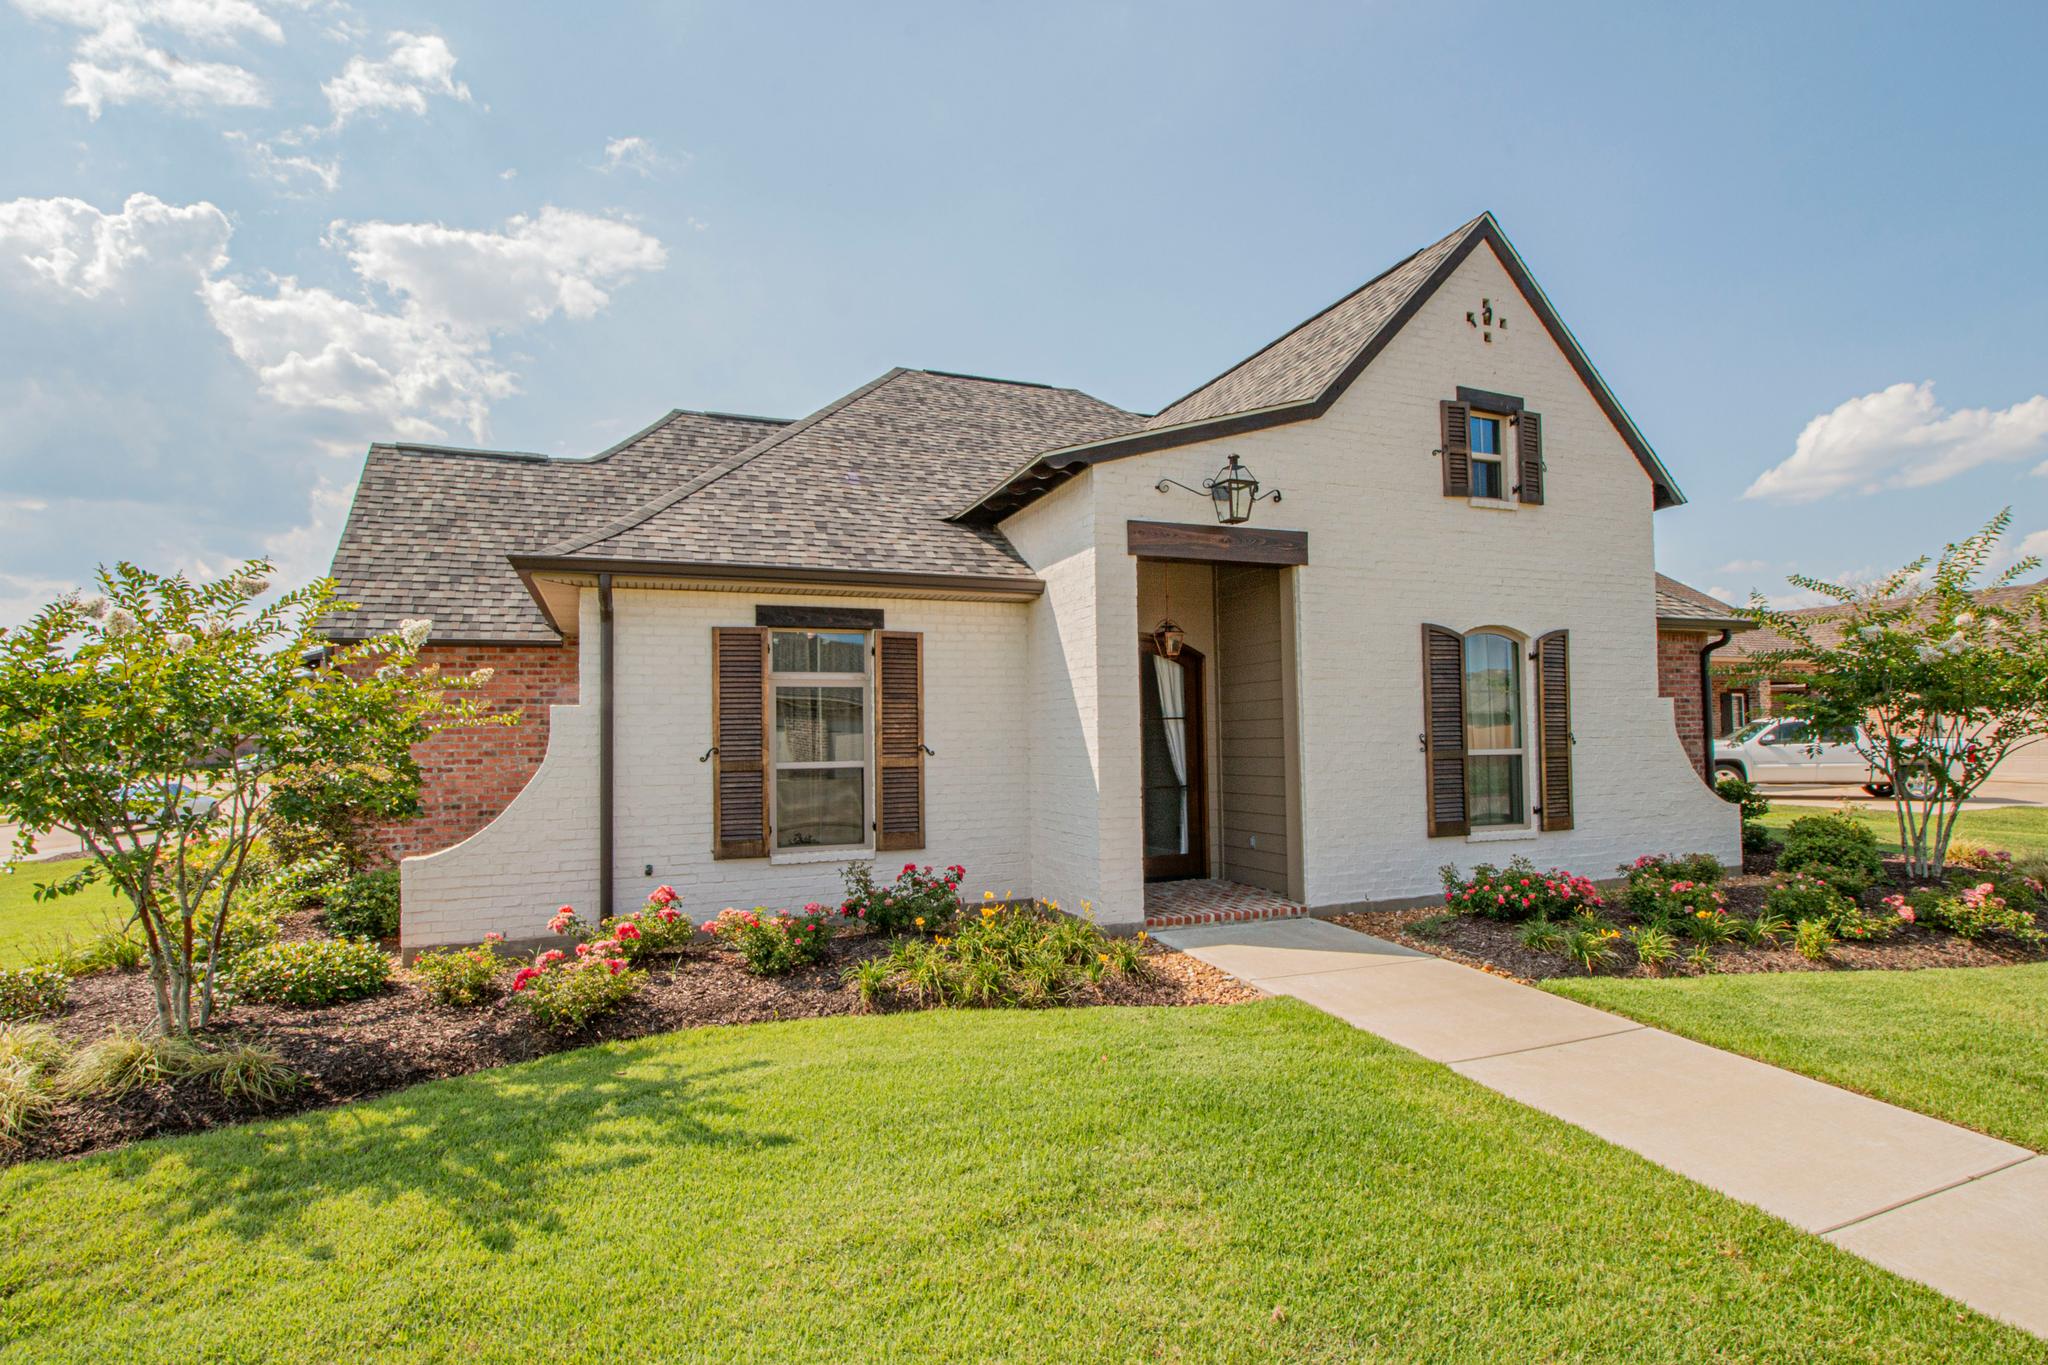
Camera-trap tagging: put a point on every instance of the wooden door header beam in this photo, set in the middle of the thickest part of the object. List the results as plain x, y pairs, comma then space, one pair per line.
1198, 544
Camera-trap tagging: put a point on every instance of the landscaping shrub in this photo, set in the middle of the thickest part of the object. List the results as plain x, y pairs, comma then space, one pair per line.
310, 972
773, 944
1688, 867
1011, 955
1709, 925
918, 899
306, 881
1755, 805
654, 931
1517, 893
1831, 841
325, 810
254, 921
460, 976
1976, 911
33, 991
566, 991
1800, 896
364, 906
1655, 900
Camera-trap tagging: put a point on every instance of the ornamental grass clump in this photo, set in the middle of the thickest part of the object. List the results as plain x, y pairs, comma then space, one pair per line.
124, 1061
1517, 892
31, 1055
773, 944
310, 972
919, 899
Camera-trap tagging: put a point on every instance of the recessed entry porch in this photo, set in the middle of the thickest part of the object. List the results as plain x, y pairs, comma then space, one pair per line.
1218, 732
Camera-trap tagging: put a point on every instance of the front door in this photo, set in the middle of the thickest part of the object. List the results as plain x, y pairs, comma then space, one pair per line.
1170, 737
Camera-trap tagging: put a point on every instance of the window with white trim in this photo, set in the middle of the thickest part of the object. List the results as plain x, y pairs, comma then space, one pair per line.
818, 682
1488, 432
1495, 759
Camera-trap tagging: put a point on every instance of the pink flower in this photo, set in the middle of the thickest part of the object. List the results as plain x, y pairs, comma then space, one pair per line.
582, 949
551, 957
664, 895
525, 975
668, 914
1906, 914
908, 868
494, 938
615, 964
628, 932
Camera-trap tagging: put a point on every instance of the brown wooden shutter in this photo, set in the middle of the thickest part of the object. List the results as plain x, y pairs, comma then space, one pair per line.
1554, 728
739, 729
1457, 438
1443, 730
899, 739
1529, 456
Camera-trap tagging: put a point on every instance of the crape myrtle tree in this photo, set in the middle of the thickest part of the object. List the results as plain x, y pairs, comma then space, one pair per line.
151, 718
1944, 683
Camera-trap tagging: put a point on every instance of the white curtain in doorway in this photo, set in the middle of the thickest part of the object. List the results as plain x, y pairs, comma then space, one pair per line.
1173, 710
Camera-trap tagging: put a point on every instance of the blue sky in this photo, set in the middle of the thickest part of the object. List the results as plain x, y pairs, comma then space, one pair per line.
240, 239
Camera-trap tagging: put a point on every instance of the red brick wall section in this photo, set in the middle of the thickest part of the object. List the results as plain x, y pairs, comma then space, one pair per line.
469, 775
1678, 677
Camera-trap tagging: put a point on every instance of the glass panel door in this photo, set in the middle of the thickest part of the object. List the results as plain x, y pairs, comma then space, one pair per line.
1170, 739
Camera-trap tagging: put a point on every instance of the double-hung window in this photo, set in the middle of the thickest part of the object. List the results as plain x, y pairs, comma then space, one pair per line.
1489, 467
819, 683
1494, 757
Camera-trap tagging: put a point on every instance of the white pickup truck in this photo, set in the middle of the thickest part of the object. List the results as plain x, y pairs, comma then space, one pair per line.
1791, 750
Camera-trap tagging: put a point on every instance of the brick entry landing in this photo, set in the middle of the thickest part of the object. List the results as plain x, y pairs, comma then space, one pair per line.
1173, 905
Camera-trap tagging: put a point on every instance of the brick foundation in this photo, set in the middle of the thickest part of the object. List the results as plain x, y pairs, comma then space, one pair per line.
1678, 677
468, 776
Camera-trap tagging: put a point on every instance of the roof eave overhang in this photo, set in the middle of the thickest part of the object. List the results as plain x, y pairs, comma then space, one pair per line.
532, 569
1734, 623
1048, 471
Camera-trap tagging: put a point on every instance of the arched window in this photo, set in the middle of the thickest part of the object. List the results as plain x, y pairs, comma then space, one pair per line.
1495, 759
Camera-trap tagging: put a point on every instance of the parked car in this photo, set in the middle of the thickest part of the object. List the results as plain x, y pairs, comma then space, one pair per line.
1787, 749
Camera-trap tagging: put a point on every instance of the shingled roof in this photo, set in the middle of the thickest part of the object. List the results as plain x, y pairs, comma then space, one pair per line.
1298, 377
431, 526
1680, 605
863, 485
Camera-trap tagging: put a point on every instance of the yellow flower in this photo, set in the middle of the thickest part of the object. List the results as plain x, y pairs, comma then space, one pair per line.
1103, 958
988, 895
920, 921
1142, 936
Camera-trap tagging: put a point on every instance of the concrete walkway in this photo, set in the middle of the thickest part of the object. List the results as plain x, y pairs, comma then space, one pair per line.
1954, 1209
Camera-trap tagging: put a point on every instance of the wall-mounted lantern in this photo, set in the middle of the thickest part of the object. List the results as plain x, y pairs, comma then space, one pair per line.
1232, 493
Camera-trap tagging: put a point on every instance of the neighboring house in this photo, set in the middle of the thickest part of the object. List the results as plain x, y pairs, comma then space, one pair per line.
959, 620
1691, 630
1746, 690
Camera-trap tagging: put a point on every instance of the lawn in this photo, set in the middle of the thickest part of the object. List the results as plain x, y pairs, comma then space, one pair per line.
1969, 1045
1224, 1183
2020, 830
30, 928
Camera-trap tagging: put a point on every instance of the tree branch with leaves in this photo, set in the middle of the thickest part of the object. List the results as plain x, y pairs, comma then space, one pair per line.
155, 719
1944, 682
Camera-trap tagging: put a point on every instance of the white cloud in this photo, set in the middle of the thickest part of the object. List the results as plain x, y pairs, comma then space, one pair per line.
418, 66
121, 57
2010, 552
1900, 437
408, 354
303, 553
295, 171
23, 595
634, 154
73, 246
1742, 566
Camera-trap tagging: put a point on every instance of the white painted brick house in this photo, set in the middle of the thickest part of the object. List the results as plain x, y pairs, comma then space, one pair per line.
928, 622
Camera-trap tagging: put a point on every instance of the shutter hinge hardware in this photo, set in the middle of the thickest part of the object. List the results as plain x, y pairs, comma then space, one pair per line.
928, 750
705, 757
1422, 741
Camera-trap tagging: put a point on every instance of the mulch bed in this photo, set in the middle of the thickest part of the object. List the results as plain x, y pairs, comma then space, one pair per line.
1495, 945
400, 1038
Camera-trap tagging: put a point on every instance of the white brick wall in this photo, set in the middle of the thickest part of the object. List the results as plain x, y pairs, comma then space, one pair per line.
1388, 552
1034, 709
541, 852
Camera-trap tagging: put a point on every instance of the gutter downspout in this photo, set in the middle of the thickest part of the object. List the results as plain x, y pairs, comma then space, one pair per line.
1706, 703
604, 746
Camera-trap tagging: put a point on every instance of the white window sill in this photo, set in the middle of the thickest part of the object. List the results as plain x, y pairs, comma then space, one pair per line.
1492, 504
1513, 834
790, 857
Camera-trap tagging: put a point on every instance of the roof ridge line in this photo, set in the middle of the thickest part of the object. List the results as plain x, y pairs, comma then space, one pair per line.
1459, 231
710, 476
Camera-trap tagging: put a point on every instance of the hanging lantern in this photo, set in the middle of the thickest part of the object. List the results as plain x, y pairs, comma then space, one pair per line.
1169, 637
1232, 493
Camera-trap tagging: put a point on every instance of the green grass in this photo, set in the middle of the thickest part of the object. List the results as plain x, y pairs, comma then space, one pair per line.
2020, 830
1259, 1182
1969, 1045
30, 929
